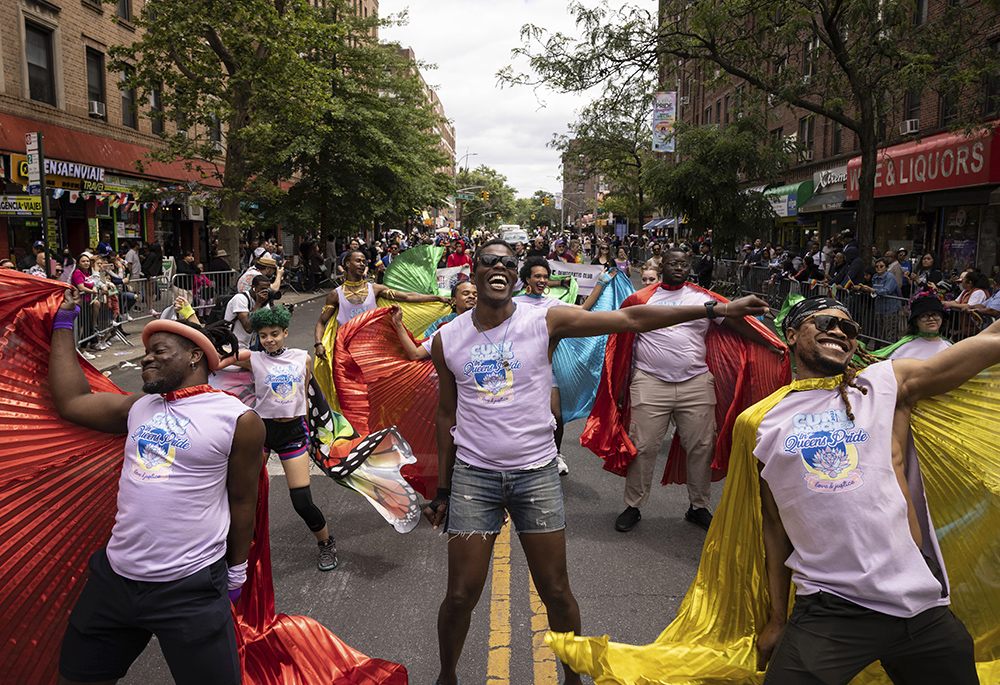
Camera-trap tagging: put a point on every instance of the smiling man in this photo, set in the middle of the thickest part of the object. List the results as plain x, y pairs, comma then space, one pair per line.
844, 512
496, 451
186, 501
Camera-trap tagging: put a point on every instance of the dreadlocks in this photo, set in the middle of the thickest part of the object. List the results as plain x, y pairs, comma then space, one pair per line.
220, 334
859, 362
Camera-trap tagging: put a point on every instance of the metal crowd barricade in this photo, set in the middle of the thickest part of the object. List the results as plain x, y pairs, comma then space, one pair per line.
102, 316
202, 290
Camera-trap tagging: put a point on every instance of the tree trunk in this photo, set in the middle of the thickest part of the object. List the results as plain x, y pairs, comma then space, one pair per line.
233, 180
866, 179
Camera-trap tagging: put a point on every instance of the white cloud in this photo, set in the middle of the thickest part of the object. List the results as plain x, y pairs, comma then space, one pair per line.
470, 41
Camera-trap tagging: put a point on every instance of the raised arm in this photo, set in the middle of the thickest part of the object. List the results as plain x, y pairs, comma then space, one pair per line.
918, 379
437, 511
595, 294
329, 309
777, 549
75, 402
569, 322
246, 458
413, 351
401, 296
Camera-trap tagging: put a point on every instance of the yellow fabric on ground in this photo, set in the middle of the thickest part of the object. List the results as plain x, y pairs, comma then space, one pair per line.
712, 640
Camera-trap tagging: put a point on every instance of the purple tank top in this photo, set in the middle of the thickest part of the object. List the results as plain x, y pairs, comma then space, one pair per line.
280, 383
504, 421
173, 506
840, 501
347, 311
539, 302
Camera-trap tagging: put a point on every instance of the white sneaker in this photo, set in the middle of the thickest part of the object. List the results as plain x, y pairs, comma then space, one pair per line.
86, 355
561, 465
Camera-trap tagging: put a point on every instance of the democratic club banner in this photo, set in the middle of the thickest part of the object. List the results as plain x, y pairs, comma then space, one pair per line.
586, 275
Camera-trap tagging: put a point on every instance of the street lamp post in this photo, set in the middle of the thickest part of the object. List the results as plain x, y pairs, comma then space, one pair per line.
458, 207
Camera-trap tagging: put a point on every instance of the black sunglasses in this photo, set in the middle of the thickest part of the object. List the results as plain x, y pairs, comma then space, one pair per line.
826, 323
490, 260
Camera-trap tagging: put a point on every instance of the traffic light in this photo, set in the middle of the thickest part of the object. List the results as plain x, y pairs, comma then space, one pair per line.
545, 201
484, 195
532, 216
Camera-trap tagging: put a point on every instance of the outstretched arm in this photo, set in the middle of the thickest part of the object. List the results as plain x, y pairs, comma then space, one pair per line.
742, 326
106, 412
569, 322
401, 296
437, 511
246, 458
777, 549
919, 379
413, 351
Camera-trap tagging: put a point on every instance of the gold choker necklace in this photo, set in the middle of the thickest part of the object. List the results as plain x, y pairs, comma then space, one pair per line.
354, 284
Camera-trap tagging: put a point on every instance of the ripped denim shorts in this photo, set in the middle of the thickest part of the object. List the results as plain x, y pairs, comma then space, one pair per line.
479, 497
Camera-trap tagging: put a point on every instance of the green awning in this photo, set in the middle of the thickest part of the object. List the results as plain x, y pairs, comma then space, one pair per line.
786, 200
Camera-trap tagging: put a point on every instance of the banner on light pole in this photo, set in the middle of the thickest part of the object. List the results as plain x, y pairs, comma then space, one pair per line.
558, 200
664, 116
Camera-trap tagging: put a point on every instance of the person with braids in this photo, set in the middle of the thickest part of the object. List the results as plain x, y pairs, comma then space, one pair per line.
356, 296
281, 381
187, 496
845, 516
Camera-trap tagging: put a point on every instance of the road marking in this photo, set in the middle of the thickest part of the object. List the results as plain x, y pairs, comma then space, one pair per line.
498, 662
546, 671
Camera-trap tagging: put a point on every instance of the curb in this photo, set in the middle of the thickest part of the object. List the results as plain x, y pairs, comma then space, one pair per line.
106, 366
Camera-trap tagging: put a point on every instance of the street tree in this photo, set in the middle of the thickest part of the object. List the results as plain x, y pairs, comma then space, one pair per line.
612, 138
705, 185
851, 61
498, 208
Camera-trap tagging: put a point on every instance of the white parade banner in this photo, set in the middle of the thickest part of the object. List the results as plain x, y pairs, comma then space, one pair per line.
586, 275
450, 277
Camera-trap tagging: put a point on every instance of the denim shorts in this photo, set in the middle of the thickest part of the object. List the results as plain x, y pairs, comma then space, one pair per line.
479, 498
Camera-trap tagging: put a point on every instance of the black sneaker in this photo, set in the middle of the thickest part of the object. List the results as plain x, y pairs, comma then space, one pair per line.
699, 517
627, 519
327, 555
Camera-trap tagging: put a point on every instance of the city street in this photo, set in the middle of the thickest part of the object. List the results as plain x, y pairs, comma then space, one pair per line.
384, 596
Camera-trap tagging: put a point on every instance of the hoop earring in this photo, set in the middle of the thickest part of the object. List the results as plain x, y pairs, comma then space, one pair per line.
547, 290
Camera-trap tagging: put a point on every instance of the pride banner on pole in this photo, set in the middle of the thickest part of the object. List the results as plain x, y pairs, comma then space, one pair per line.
664, 115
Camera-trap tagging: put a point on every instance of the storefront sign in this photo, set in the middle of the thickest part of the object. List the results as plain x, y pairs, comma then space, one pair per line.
94, 230
785, 200
830, 179
114, 184
58, 174
948, 160
20, 205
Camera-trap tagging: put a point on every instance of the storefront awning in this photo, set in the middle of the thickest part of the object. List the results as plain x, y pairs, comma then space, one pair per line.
657, 223
786, 200
85, 148
941, 162
825, 202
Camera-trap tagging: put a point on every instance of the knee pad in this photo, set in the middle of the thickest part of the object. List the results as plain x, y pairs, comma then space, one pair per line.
302, 502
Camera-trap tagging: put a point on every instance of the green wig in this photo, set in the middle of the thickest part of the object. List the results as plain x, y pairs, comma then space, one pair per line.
267, 317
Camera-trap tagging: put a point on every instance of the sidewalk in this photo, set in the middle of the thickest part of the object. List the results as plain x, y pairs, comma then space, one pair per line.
120, 354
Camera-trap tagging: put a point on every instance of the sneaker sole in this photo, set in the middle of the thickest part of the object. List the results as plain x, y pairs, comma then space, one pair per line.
328, 568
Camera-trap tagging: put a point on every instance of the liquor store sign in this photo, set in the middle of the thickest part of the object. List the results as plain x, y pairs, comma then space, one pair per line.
20, 205
59, 174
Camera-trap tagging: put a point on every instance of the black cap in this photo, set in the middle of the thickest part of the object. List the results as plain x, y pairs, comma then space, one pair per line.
926, 303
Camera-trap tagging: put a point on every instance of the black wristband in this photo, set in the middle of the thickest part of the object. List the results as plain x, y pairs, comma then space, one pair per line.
315, 345
710, 309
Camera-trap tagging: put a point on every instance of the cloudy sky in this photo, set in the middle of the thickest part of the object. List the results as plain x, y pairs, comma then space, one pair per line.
469, 41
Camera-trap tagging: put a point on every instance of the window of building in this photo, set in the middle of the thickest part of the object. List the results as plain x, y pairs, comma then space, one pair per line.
810, 50
130, 117
912, 105
837, 142
718, 111
708, 115
777, 134
41, 67
725, 109
95, 78
993, 87
156, 111
949, 109
920, 12
125, 10
807, 129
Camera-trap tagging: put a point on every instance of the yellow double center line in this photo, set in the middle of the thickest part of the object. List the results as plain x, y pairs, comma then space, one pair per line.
498, 662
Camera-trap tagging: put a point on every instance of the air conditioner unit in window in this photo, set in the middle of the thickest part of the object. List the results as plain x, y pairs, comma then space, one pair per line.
909, 126
194, 213
96, 109
685, 100
217, 144
183, 134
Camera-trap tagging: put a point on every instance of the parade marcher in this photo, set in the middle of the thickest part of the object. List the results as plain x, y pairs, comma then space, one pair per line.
493, 368
558, 253
463, 298
535, 274
186, 501
622, 262
656, 258
356, 296
603, 256
876, 588
671, 383
649, 277
281, 380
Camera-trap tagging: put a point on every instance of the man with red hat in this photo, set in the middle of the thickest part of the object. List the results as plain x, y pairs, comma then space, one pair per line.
186, 502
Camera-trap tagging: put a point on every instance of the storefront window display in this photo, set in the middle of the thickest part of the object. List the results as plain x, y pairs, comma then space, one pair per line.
959, 237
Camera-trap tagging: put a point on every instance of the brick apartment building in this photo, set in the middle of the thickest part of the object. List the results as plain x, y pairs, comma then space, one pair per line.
582, 195
935, 190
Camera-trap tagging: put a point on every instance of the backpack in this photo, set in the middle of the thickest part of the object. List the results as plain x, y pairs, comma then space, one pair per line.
218, 311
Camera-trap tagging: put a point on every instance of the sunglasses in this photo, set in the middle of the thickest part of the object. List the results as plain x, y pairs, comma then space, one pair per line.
490, 260
926, 316
826, 323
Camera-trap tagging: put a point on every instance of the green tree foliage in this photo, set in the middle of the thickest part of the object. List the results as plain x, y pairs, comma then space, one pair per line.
500, 208
270, 79
852, 61
612, 137
706, 186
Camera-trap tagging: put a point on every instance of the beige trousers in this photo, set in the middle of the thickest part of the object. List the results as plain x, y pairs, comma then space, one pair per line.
690, 405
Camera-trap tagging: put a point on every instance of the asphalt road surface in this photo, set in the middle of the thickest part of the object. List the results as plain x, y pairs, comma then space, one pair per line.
384, 596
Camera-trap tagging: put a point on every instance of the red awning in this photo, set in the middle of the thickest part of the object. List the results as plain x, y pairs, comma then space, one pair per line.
941, 162
114, 156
